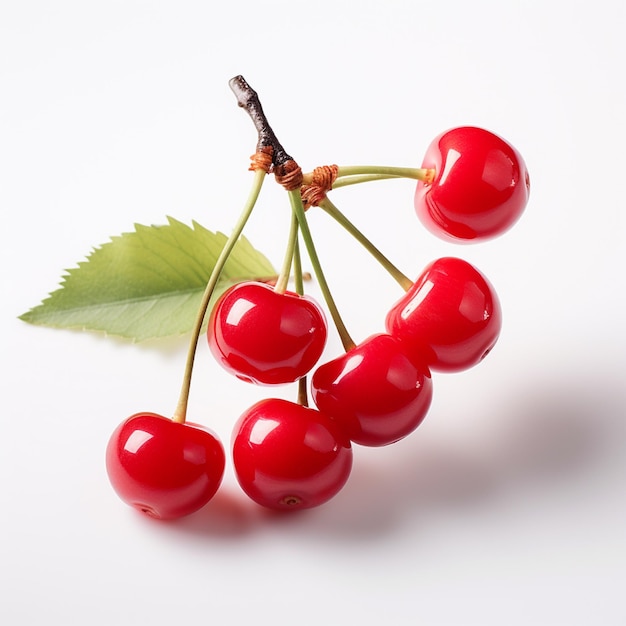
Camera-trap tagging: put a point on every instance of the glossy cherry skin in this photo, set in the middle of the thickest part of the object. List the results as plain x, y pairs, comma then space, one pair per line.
480, 189
451, 316
376, 391
266, 337
162, 468
288, 456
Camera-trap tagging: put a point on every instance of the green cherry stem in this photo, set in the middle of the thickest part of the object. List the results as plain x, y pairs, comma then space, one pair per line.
283, 276
180, 414
299, 275
416, 173
404, 281
292, 257
354, 174
303, 398
361, 178
298, 208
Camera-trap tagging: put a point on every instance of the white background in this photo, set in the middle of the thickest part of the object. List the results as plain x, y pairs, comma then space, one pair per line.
508, 505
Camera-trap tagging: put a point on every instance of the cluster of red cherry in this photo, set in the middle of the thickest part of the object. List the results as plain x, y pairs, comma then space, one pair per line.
472, 186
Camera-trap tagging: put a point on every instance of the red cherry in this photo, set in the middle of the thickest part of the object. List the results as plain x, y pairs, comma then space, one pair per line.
451, 316
480, 189
163, 468
376, 391
266, 337
288, 456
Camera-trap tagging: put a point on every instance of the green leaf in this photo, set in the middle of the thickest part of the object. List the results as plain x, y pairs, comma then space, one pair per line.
147, 283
